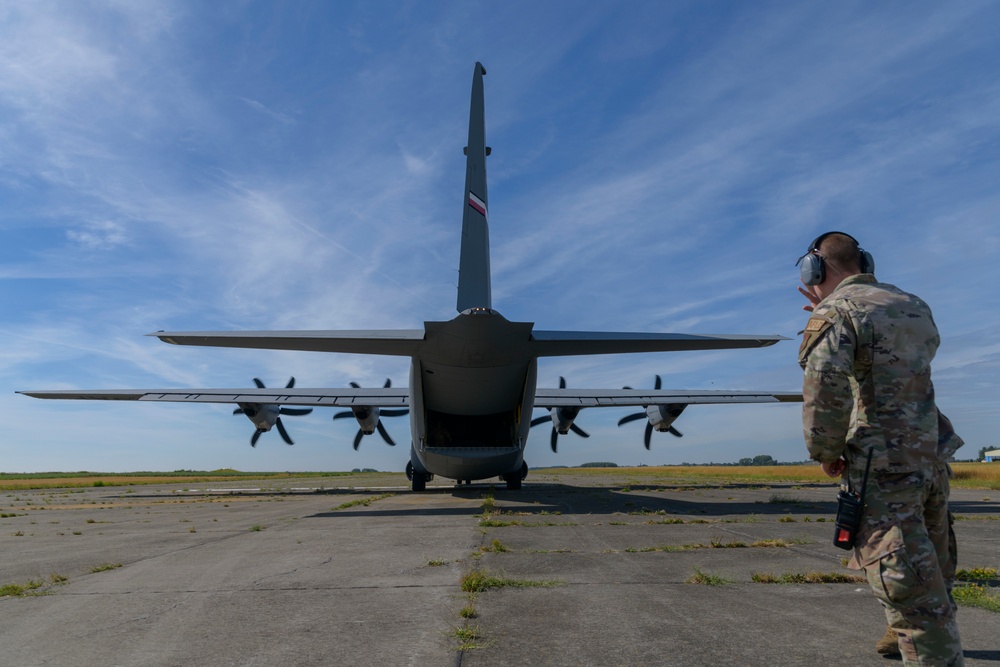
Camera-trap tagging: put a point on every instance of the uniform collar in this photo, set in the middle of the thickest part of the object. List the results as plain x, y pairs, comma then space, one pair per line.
857, 279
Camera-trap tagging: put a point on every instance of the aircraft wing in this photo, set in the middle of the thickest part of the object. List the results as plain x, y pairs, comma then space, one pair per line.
597, 398
348, 397
571, 343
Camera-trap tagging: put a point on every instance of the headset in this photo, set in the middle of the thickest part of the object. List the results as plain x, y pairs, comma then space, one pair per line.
812, 267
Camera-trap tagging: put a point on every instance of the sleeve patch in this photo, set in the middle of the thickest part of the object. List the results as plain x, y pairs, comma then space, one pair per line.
815, 328
816, 324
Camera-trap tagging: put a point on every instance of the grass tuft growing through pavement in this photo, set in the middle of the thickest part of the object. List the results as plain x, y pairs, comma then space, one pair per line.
365, 502
984, 574
497, 547
706, 579
30, 588
104, 567
478, 581
469, 637
807, 578
976, 595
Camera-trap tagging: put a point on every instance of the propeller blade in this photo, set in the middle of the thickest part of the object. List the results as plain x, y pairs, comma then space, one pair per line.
357, 439
657, 384
355, 385
632, 418
343, 415
540, 420
579, 431
554, 439
385, 434
294, 412
394, 413
562, 382
388, 383
283, 432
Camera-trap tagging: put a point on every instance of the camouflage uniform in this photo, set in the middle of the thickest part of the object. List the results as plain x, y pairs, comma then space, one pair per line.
866, 353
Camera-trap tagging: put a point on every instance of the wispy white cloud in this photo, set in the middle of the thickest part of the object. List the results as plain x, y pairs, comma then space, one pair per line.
282, 118
99, 235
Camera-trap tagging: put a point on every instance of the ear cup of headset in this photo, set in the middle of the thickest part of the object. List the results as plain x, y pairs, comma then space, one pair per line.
811, 270
867, 261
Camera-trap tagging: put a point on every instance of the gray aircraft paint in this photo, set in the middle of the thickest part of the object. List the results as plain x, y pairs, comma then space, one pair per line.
474, 265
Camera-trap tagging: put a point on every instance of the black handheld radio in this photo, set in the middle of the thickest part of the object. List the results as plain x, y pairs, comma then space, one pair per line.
850, 507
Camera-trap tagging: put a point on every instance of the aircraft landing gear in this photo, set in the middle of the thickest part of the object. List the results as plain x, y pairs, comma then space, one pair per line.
513, 479
418, 480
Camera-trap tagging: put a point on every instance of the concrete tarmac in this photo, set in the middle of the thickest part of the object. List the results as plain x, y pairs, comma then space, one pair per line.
585, 571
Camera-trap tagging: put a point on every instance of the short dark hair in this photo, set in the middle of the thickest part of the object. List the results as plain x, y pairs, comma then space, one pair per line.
841, 251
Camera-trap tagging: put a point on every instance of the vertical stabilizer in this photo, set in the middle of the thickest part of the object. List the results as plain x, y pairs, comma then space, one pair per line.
474, 264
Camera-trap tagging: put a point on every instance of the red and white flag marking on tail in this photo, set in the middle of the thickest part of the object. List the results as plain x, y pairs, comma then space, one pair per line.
478, 204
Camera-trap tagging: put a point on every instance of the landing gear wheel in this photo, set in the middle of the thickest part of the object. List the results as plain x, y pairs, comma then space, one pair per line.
513, 480
418, 480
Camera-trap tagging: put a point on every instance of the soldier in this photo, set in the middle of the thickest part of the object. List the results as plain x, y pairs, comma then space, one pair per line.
866, 352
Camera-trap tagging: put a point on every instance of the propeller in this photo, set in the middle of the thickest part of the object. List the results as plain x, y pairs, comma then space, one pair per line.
673, 411
365, 413
557, 415
254, 409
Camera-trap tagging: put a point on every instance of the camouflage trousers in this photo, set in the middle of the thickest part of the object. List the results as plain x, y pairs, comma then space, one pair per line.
906, 546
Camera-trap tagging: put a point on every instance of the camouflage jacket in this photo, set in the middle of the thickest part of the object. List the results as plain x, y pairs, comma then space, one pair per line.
866, 352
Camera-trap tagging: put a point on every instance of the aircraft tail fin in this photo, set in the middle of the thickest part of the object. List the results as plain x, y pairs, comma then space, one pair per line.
474, 264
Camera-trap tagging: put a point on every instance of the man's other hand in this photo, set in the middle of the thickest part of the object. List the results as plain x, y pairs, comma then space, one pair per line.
834, 468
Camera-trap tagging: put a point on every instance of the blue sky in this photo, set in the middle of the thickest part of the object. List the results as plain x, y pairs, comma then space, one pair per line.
656, 167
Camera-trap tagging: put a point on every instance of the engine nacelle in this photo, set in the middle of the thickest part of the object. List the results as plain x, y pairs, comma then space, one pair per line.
562, 419
367, 418
263, 415
661, 417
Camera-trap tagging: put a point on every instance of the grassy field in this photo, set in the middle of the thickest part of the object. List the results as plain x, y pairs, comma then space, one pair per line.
46, 480
967, 476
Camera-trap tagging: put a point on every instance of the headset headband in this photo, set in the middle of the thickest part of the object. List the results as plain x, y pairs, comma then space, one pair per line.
813, 267
814, 246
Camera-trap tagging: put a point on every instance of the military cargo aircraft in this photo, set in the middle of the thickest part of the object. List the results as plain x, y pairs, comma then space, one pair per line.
472, 381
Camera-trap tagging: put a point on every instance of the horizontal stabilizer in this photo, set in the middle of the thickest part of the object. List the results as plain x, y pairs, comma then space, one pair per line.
568, 343
393, 342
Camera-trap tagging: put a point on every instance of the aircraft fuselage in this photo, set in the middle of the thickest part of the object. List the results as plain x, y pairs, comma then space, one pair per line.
473, 387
